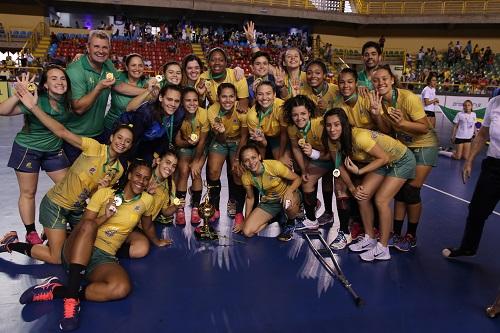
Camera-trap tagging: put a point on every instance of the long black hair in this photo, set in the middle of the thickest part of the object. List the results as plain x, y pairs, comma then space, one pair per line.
158, 111
346, 136
120, 185
170, 179
43, 79
299, 100
127, 60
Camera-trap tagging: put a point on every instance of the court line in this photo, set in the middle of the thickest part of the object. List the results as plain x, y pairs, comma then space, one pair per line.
454, 196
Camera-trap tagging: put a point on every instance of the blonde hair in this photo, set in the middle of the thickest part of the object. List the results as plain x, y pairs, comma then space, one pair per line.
101, 34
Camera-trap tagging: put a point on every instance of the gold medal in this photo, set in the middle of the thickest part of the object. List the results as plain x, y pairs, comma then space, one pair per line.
336, 173
208, 84
194, 137
31, 87
218, 119
117, 200
110, 76
176, 201
302, 142
390, 110
159, 78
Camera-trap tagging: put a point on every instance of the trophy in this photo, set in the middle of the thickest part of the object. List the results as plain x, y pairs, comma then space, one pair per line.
206, 232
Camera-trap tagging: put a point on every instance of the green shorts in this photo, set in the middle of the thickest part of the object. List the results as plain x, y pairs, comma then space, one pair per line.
273, 142
323, 164
228, 148
426, 155
271, 207
403, 168
98, 257
53, 216
189, 152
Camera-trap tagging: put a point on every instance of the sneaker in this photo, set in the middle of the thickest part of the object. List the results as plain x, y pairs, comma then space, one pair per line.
231, 208
180, 217
33, 238
325, 218
357, 231
287, 233
307, 224
378, 252
71, 317
406, 243
41, 292
457, 252
8, 238
341, 241
238, 219
216, 217
195, 216
394, 239
364, 244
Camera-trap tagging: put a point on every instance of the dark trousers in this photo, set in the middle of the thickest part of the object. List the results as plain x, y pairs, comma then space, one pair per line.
485, 197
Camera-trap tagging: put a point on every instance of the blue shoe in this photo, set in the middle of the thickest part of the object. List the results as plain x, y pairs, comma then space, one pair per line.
406, 243
71, 319
394, 240
41, 292
341, 241
307, 224
8, 238
287, 233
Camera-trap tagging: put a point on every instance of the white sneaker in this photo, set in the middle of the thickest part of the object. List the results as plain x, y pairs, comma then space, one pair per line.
364, 244
307, 224
379, 252
341, 241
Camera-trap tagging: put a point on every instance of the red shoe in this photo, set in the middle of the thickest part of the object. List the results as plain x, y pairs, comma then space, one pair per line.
195, 216
216, 217
357, 231
33, 238
238, 219
180, 217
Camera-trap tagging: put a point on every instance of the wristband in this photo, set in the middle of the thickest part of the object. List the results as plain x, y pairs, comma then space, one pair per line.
314, 154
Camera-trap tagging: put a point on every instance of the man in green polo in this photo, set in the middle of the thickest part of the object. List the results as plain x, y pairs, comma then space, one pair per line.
372, 57
92, 76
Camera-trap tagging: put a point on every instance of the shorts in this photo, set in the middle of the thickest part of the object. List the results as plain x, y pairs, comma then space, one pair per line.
98, 257
28, 160
459, 141
323, 164
189, 152
228, 148
425, 155
430, 114
271, 207
53, 216
403, 168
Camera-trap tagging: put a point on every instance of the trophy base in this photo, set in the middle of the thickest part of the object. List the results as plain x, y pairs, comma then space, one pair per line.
205, 233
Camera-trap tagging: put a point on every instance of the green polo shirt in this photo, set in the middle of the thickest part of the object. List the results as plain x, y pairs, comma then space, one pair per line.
34, 135
84, 78
119, 102
364, 80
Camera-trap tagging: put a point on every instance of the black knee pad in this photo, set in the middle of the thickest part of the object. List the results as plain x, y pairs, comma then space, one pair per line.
409, 194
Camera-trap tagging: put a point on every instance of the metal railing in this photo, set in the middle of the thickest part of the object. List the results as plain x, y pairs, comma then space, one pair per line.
474, 7
41, 30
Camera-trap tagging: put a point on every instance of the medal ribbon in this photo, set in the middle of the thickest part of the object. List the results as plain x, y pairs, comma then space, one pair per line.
260, 186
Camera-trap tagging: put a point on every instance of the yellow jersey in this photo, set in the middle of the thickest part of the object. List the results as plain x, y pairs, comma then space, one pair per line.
112, 233
232, 124
212, 85
162, 198
81, 180
270, 123
312, 134
358, 114
272, 183
328, 96
363, 140
287, 83
197, 125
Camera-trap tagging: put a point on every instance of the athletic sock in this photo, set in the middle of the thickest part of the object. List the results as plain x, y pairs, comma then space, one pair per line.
310, 205
75, 277
240, 195
327, 201
180, 194
397, 227
196, 198
30, 227
23, 248
344, 214
412, 229
214, 192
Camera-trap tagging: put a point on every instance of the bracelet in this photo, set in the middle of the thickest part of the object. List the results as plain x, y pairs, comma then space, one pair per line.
314, 154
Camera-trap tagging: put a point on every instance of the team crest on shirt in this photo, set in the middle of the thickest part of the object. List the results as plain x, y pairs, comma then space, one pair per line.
92, 170
111, 232
137, 208
374, 134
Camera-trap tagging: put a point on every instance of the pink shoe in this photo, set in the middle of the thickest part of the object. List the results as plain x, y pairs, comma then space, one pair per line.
238, 219
180, 217
195, 216
33, 238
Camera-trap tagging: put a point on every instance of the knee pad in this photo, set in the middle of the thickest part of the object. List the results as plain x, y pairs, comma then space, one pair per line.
409, 194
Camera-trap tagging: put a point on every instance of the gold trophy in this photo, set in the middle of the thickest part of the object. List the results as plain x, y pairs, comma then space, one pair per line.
206, 232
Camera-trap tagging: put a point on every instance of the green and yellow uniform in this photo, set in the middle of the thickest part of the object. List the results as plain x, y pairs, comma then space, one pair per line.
327, 93
270, 121
84, 78
34, 135
311, 133
112, 233
212, 85
119, 102
287, 82
232, 124
363, 140
82, 178
359, 113
364, 80
197, 125
162, 198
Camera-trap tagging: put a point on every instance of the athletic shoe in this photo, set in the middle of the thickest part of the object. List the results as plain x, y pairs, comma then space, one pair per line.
195, 216
394, 239
231, 208
453, 253
238, 219
325, 218
71, 317
287, 233
307, 224
215, 217
180, 216
378, 252
341, 241
406, 243
8, 238
33, 238
41, 292
364, 244
357, 231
